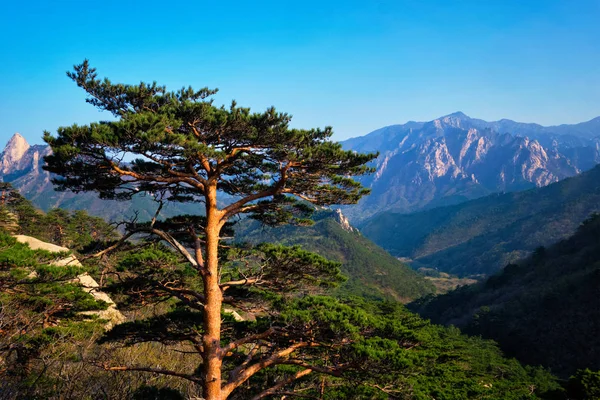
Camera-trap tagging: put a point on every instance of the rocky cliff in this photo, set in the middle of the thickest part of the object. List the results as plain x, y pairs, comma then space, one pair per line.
456, 158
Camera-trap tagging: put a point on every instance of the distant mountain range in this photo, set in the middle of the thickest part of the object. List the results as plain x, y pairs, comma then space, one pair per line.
421, 165
457, 158
21, 165
481, 236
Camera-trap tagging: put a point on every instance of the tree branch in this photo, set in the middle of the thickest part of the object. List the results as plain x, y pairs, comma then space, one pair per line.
276, 188
181, 295
173, 242
248, 339
240, 282
337, 371
189, 377
243, 375
113, 247
192, 182
274, 389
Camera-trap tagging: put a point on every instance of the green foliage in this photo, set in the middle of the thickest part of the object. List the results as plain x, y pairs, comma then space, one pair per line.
482, 236
371, 271
39, 305
388, 352
183, 141
395, 354
73, 229
531, 306
585, 385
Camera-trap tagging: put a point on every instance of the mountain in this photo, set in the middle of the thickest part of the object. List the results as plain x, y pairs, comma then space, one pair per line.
544, 309
483, 235
21, 165
371, 271
457, 158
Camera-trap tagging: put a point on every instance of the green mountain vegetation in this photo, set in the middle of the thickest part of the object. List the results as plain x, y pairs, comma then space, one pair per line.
72, 229
544, 310
371, 271
482, 236
201, 315
48, 350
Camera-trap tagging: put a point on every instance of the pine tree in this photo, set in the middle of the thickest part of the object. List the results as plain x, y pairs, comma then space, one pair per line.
189, 150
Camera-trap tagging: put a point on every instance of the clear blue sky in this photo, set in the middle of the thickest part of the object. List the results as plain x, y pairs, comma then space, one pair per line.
356, 66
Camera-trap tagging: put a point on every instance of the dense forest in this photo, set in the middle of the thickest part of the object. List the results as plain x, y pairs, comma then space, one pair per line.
480, 237
544, 310
51, 350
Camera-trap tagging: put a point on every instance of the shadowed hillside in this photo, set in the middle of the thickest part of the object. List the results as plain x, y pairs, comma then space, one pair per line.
481, 236
543, 310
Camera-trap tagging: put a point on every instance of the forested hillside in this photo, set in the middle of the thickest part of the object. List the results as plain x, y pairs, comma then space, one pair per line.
371, 271
50, 352
544, 309
481, 236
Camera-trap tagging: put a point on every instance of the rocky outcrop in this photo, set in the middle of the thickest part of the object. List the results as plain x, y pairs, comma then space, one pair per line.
13, 155
456, 158
111, 314
343, 221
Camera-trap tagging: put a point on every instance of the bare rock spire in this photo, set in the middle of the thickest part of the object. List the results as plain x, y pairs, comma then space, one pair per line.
14, 151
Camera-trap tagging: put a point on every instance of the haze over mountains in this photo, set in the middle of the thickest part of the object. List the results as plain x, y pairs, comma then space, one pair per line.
456, 158
21, 165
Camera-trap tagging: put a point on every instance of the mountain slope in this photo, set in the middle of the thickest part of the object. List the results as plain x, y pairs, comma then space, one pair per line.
542, 310
481, 236
21, 165
456, 158
372, 272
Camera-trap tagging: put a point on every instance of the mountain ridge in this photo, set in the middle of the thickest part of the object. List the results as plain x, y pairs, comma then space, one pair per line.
455, 158
422, 165
481, 236
371, 272
21, 165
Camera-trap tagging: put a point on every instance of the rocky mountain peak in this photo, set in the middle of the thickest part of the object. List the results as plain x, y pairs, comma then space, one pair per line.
16, 147
343, 221
455, 120
14, 151
455, 158
458, 115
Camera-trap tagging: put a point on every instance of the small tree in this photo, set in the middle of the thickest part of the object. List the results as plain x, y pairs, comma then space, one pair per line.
230, 162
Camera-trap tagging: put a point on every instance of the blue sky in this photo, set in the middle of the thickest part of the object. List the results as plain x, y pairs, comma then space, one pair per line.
356, 66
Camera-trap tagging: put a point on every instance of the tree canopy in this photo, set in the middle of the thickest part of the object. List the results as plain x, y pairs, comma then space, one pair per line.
229, 161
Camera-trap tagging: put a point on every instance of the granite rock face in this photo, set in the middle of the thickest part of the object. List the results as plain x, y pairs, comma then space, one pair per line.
111, 314
455, 158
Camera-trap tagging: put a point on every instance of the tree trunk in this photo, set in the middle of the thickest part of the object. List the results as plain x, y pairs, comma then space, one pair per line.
212, 360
